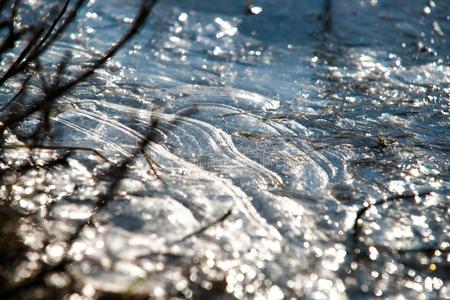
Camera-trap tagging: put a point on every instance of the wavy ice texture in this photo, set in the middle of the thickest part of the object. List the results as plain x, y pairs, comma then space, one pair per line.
308, 161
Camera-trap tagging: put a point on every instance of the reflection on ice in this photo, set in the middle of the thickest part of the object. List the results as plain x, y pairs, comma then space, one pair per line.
307, 161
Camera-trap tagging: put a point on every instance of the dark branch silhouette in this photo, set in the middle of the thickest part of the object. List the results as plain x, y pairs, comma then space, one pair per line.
27, 62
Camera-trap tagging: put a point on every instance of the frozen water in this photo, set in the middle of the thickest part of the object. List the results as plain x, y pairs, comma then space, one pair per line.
301, 152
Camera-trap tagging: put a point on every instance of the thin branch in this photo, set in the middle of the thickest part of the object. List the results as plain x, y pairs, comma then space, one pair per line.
21, 92
53, 147
58, 91
359, 216
207, 226
15, 67
38, 45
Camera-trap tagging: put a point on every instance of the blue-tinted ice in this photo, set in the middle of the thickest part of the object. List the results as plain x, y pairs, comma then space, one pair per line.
285, 128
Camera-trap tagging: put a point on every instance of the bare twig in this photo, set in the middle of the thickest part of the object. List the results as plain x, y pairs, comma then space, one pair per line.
56, 147
207, 226
116, 172
358, 220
